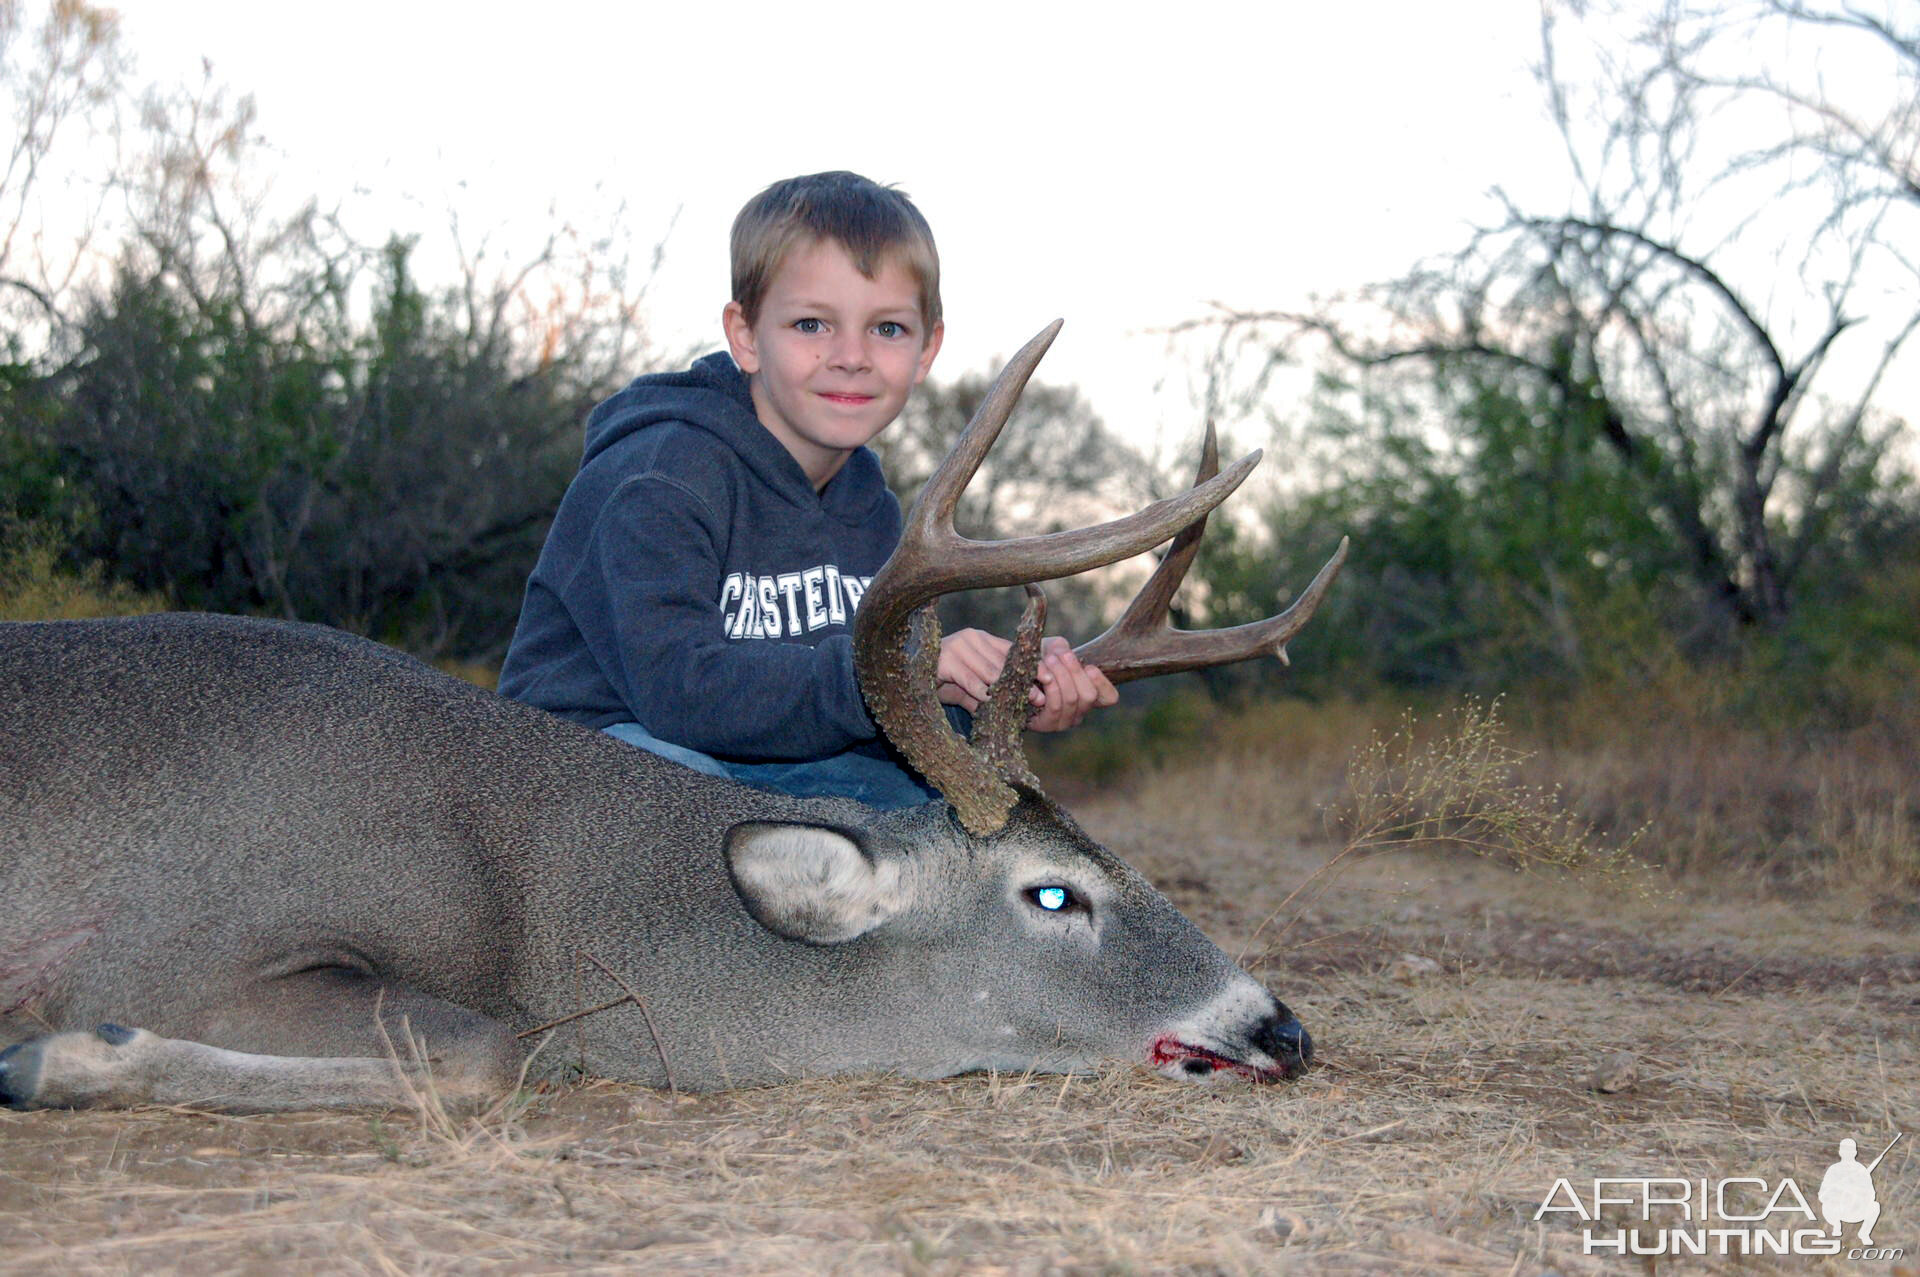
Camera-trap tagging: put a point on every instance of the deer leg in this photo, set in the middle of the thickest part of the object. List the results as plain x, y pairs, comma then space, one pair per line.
322, 1039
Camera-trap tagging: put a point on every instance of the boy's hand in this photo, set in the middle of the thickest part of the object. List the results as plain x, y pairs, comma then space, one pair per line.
969, 662
1064, 693
1070, 690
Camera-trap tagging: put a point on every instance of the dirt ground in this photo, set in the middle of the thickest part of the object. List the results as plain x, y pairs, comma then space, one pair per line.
1466, 1017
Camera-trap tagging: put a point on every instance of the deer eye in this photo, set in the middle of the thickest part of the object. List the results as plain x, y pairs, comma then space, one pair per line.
1053, 899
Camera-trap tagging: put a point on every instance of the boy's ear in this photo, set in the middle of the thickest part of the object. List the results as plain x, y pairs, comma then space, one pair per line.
740, 340
927, 352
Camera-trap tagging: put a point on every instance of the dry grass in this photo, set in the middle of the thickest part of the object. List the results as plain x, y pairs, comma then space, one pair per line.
1447, 1107
1666, 776
1790, 810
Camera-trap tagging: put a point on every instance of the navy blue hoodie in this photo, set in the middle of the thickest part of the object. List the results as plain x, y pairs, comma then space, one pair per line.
694, 582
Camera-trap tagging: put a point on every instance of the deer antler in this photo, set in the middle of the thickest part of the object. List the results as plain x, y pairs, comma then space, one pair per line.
1143, 642
896, 637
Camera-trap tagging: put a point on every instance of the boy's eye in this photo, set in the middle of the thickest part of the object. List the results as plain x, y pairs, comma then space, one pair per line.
807, 325
888, 328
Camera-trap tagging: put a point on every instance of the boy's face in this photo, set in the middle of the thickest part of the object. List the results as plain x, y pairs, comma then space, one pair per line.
833, 354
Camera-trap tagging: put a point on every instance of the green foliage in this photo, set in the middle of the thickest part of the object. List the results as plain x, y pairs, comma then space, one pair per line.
36, 584
1498, 541
223, 398
1491, 553
1651, 429
392, 476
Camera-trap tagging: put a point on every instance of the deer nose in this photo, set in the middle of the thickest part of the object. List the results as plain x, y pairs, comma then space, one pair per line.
1282, 1037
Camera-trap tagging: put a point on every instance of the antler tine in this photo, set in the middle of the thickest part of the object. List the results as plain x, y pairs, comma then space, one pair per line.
1147, 613
933, 508
1003, 716
1056, 554
1144, 651
1143, 642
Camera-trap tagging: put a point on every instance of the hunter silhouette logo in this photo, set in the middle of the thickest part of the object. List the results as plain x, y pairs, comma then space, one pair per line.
1737, 1215
1846, 1191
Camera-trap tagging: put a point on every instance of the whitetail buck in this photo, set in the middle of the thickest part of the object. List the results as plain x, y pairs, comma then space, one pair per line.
274, 847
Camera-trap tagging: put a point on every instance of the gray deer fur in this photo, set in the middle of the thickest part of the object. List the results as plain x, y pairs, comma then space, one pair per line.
239, 857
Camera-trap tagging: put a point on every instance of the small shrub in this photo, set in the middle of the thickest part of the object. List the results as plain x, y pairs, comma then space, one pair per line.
36, 585
1463, 787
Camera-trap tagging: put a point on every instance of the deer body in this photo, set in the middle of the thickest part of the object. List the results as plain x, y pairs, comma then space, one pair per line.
240, 860
244, 836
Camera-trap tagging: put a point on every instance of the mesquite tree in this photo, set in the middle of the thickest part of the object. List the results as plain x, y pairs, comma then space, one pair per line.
1724, 301
227, 398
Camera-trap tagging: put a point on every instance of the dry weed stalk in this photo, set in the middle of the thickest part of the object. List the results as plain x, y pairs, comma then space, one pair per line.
1460, 788
627, 995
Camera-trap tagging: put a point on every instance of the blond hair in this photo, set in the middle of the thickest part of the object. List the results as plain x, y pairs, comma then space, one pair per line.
872, 222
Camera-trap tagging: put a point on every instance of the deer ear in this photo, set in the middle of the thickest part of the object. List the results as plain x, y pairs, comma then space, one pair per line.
811, 882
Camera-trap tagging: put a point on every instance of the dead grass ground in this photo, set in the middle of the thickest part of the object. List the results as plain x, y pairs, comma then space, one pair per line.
1460, 1011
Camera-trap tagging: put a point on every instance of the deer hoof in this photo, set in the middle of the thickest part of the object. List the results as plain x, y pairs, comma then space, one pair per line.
20, 1074
79, 1068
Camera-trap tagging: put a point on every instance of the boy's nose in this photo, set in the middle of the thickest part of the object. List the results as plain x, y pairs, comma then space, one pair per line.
849, 352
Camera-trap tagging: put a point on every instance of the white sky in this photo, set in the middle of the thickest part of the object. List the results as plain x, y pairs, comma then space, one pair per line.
1121, 167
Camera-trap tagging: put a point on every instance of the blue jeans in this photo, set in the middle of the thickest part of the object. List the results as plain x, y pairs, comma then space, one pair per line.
873, 781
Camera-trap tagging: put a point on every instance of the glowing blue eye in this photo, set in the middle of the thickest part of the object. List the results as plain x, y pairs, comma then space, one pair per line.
1052, 899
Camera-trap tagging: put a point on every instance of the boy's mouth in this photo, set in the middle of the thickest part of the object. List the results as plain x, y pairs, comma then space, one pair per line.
850, 400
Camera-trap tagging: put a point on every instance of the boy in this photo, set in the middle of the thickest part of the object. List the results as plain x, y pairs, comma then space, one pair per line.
695, 596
